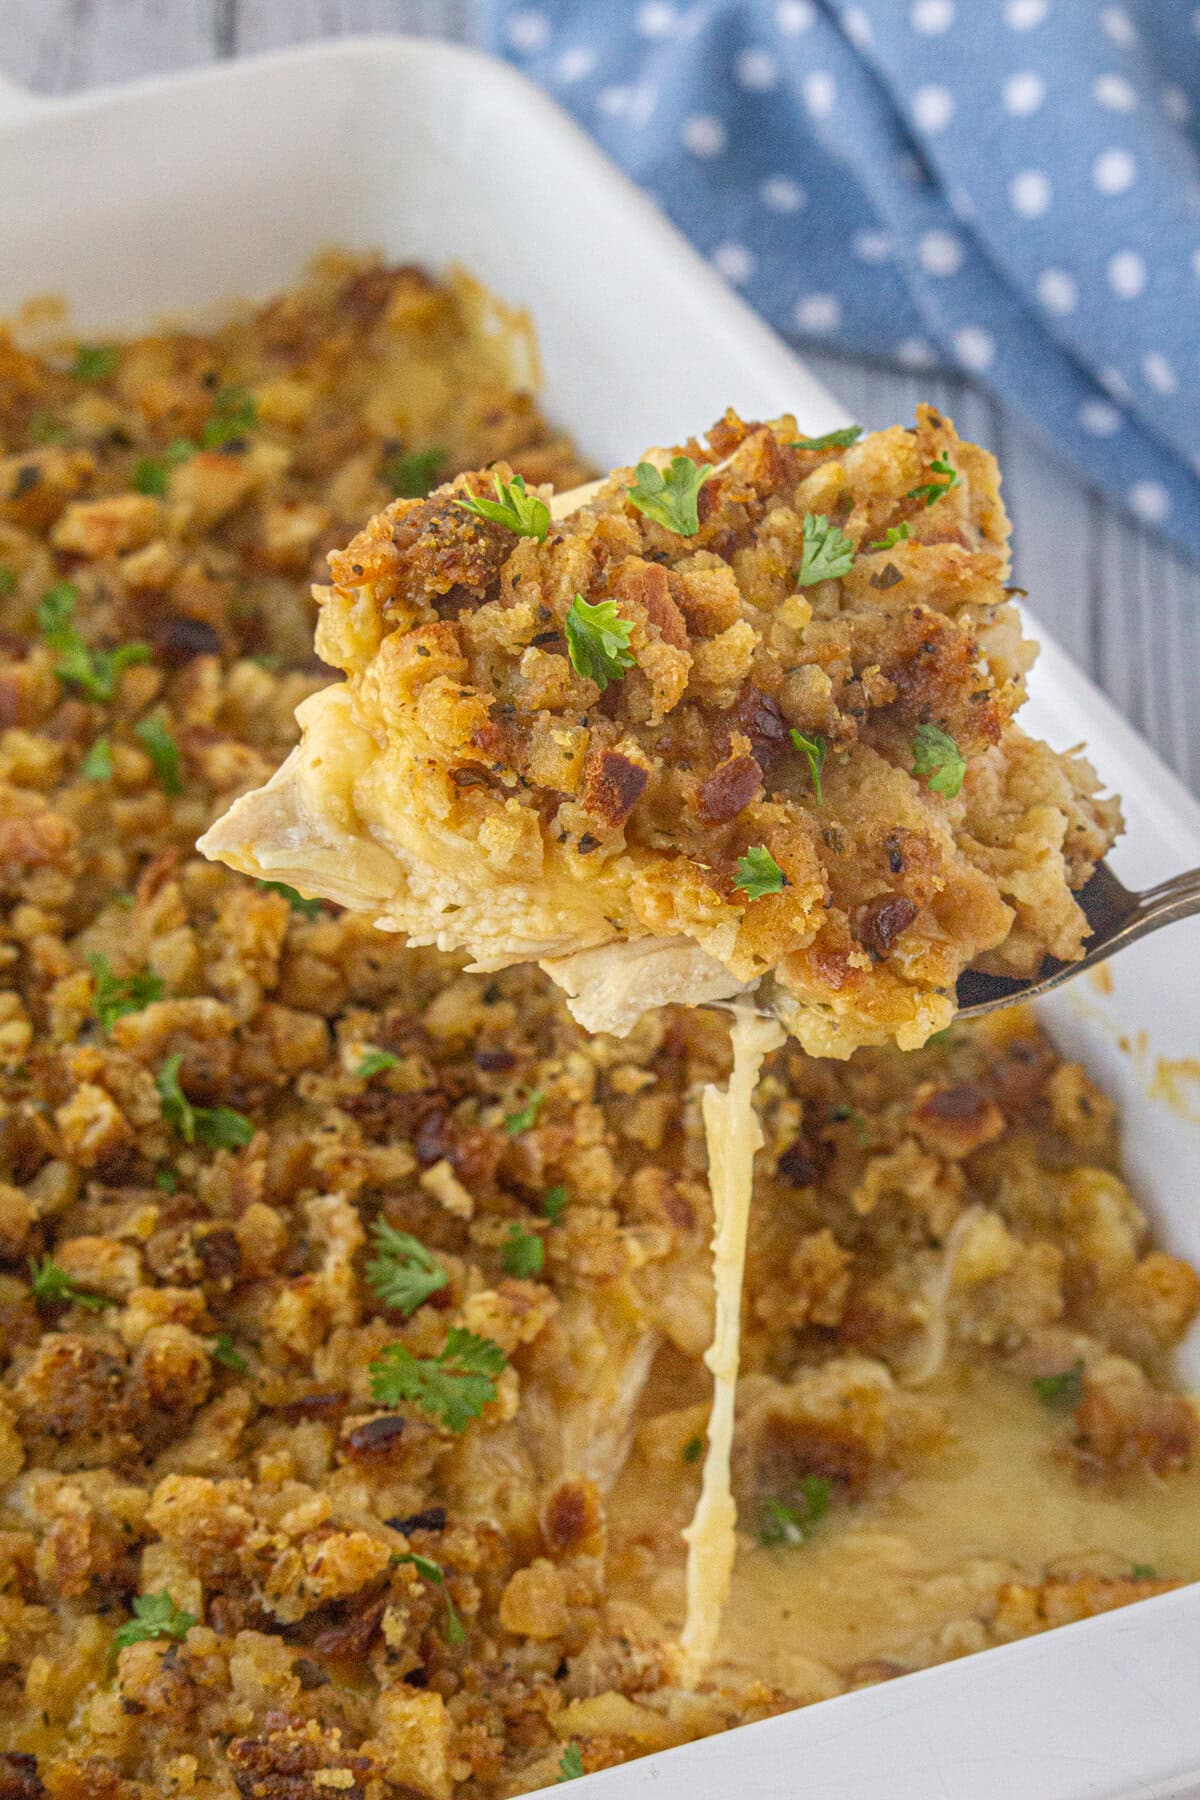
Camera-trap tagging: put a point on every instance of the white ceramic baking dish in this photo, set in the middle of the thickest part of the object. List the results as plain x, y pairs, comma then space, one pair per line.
192, 189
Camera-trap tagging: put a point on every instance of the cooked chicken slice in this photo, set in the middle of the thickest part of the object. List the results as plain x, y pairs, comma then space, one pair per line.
695, 739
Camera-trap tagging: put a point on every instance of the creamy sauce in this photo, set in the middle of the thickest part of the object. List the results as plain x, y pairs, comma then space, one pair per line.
906, 1574
733, 1135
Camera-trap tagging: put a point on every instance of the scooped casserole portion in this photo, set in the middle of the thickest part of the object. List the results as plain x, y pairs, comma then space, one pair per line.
742, 720
353, 1305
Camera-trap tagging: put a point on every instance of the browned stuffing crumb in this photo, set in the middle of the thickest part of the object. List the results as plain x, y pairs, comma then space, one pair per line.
186, 1404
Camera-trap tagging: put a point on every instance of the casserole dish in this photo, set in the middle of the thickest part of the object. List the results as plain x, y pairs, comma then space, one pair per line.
390, 144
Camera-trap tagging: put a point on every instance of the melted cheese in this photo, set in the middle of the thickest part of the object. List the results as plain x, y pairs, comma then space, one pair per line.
733, 1132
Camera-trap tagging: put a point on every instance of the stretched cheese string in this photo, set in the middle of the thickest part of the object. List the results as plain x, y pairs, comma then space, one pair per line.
733, 1134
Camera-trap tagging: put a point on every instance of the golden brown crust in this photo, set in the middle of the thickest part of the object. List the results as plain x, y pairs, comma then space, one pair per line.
529, 813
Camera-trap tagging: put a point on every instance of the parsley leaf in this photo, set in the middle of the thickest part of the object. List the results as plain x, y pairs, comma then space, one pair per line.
779, 1526
758, 873
51, 1283
220, 1127
44, 428
411, 474
431, 1571
554, 1202
308, 909
693, 1450
95, 362
152, 474
155, 1616
403, 1273
1062, 1393
8, 580
813, 749
524, 1253
671, 497
516, 1122
782, 1526
895, 534
114, 996
828, 553
95, 672
513, 507
97, 764
570, 1763
167, 1179
453, 1386
233, 415
929, 491
163, 751
1143, 1572
832, 440
851, 1116
598, 641
936, 754
375, 1062
222, 1351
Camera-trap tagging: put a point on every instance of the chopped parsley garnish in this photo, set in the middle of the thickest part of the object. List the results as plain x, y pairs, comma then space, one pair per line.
95, 362
554, 1202
308, 909
828, 553
671, 496
570, 1763
94, 672
167, 1179
431, 1571
8, 580
517, 1122
758, 873
598, 641
813, 750
1143, 1572
936, 754
1062, 1393
403, 1273
513, 507
97, 764
524, 1253
163, 752
51, 1283
782, 1526
44, 428
453, 1386
895, 534
851, 1116
222, 1351
375, 1062
832, 440
154, 1616
114, 996
693, 1450
929, 491
233, 415
151, 474
410, 474
220, 1127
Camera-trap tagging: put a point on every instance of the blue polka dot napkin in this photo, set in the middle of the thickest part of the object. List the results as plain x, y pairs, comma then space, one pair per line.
1011, 186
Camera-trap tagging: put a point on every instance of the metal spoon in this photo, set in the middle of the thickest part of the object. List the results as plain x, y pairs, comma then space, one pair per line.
1116, 917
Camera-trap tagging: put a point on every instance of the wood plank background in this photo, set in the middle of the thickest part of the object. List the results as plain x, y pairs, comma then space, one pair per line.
1124, 605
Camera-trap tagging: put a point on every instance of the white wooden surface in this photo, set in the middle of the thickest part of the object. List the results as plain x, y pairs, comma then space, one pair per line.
1124, 605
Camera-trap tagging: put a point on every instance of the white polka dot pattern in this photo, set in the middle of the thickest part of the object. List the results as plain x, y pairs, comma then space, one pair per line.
1005, 187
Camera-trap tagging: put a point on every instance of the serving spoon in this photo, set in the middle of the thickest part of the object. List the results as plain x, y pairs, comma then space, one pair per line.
1117, 917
